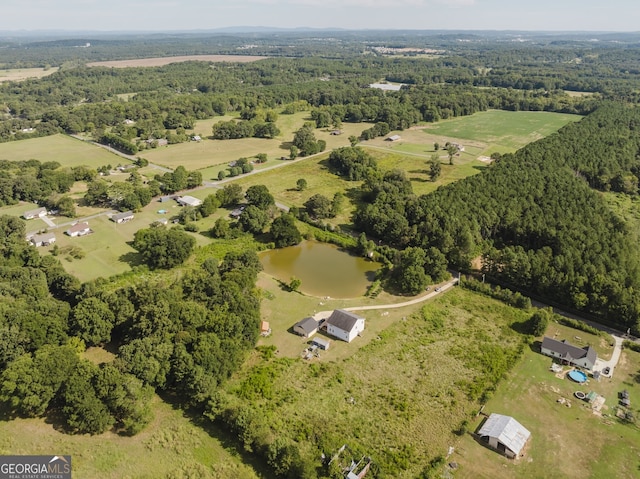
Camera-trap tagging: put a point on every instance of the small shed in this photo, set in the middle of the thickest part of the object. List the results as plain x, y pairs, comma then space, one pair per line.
306, 327
322, 343
393, 138
265, 328
504, 434
165, 198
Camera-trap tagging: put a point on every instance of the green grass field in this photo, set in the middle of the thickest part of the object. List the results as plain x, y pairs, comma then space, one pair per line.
210, 156
61, 148
567, 442
173, 445
18, 74
396, 393
504, 131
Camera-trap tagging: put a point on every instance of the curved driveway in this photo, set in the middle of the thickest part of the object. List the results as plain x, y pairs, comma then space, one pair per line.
420, 299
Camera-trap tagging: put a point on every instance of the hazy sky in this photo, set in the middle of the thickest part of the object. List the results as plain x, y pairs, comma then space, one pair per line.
165, 15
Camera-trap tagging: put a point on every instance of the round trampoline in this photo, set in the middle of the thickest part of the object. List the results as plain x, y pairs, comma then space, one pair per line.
577, 376
580, 395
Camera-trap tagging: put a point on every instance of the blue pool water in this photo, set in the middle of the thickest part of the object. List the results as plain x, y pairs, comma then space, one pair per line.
578, 376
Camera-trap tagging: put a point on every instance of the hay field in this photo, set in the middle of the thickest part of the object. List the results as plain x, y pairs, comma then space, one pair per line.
61, 148
18, 74
505, 131
160, 61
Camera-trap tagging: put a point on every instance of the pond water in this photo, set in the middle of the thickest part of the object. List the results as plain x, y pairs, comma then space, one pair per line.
323, 269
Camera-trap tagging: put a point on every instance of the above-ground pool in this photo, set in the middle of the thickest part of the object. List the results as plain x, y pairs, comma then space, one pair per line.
577, 376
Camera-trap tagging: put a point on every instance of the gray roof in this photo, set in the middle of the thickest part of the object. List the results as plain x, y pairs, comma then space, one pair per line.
43, 238
35, 212
122, 216
507, 430
342, 319
321, 342
308, 325
569, 351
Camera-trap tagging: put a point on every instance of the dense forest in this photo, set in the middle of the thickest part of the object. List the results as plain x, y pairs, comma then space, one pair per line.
182, 336
535, 217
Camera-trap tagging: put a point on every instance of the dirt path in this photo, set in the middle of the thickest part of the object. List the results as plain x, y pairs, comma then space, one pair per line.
420, 299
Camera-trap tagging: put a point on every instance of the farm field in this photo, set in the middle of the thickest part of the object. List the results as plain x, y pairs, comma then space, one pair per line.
501, 131
396, 393
209, 155
566, 442
173, 445
160, 61
18, 74
61, 148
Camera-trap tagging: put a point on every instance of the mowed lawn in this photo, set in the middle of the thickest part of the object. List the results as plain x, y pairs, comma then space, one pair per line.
505, 131
395, 394
566, 442
61, 148
173, 445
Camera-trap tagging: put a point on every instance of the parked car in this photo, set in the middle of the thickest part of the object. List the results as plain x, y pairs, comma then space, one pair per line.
606, 371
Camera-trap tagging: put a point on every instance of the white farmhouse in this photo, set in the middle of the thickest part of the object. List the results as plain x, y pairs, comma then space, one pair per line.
344, 325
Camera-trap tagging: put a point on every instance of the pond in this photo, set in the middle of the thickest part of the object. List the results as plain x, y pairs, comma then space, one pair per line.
323, 269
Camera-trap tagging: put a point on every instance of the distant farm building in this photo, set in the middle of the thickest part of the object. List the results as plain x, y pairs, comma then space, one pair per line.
165, 198
392, 138
122, 217
504, 434
44, 239
306, 327
37, 213
79, 229
189, 201
344, 325
386, 86
568, 353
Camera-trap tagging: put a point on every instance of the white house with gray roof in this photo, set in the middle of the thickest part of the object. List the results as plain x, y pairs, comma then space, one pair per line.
504, 434
36, 213
584, 357
344, 325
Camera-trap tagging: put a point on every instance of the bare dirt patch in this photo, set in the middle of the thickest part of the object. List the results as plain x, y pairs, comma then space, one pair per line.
160, 61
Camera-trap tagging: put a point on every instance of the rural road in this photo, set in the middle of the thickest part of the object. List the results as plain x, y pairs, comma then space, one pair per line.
420, 299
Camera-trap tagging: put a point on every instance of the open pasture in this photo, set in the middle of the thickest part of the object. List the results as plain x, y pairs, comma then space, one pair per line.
504, 131
210, 156
396, 393
566, 442
61, 148
160, 61
173, 445
18, 74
